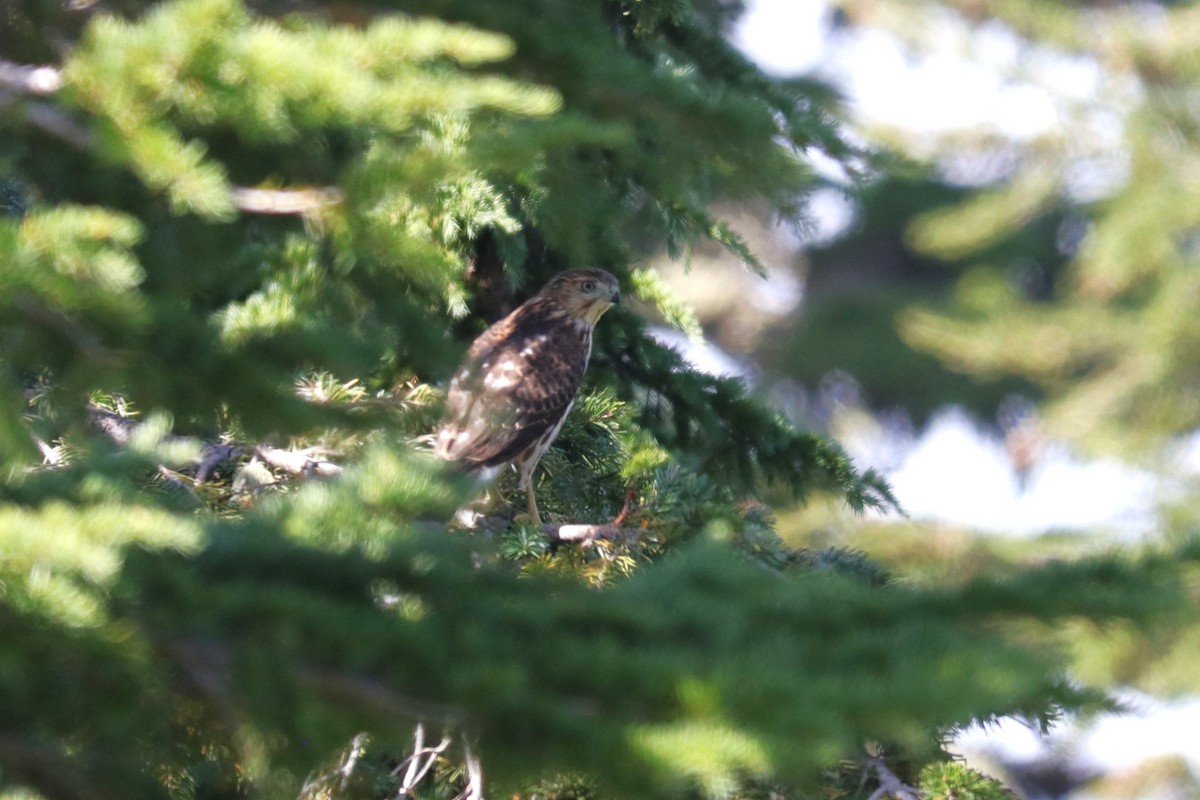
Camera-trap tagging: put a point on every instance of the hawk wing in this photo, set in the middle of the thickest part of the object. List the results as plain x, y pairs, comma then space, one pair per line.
517, 383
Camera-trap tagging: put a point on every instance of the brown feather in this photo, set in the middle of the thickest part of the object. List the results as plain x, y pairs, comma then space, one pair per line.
520, 376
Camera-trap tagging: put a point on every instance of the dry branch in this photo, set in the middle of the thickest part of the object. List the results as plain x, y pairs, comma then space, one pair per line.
889, 784
583, 535
120, 430
29, 79
287, 201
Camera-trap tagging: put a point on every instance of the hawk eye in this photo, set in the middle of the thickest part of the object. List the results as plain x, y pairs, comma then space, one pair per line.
589, 286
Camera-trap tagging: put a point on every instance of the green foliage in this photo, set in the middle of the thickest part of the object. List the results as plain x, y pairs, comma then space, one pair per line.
953, 781
251, 233
1111, 340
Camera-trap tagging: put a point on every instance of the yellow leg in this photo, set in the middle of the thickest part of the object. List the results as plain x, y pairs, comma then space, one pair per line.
533, 509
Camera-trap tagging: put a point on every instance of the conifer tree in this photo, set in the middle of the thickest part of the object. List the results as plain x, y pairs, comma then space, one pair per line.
1101, 319
244, 245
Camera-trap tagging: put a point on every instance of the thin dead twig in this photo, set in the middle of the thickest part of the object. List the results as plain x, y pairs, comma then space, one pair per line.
287, 201
30, 79
584, 535
419, 762
889, 784
307, 463
474, 790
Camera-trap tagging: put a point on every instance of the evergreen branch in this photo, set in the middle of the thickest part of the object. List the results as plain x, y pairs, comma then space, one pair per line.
732, 437
24, 79
45, 769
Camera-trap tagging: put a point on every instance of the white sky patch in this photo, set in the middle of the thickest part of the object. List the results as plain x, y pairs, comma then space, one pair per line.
957, 474
785, 37
1110, 742
779, 293
703, 355
831, 213
990, 80
941, 92
981, 78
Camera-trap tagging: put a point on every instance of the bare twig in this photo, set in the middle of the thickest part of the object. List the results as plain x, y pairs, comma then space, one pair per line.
55, 122
474, 790
305, 462
889, 784
20, 81
581, 534
371, 695
298, 462
50, 454
419, 762
357, 747
287, 201
29, 79
627, 508
588, 535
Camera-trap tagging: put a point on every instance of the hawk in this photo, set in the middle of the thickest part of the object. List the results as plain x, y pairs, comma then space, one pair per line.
510, 397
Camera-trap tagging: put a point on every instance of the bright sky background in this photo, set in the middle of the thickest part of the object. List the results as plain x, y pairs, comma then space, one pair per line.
952, 472
987, 80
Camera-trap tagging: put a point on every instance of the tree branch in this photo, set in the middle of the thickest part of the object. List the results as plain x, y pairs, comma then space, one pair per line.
583, 535
28, 79
20, 80
418, 764
120, 430
287, 201
889, 784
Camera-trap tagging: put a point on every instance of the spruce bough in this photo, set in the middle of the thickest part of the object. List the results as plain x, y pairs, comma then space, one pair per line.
267, 231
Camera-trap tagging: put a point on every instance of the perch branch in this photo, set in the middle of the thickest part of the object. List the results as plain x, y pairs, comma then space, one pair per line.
120, 431
357, 747
286, 201
419, 762
889, 784
29, 79
474, 790
581, 534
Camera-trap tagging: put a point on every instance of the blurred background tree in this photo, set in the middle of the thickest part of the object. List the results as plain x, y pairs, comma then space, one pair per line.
242, 247
1024, 250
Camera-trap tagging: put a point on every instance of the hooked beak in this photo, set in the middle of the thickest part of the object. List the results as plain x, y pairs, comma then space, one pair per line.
616, 297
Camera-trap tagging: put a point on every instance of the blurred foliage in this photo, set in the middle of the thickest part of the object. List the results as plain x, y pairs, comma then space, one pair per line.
239, 228
862, 286
1070, 266
1107, 330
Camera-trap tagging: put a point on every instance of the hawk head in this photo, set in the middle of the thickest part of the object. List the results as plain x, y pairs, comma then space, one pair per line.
584, 294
